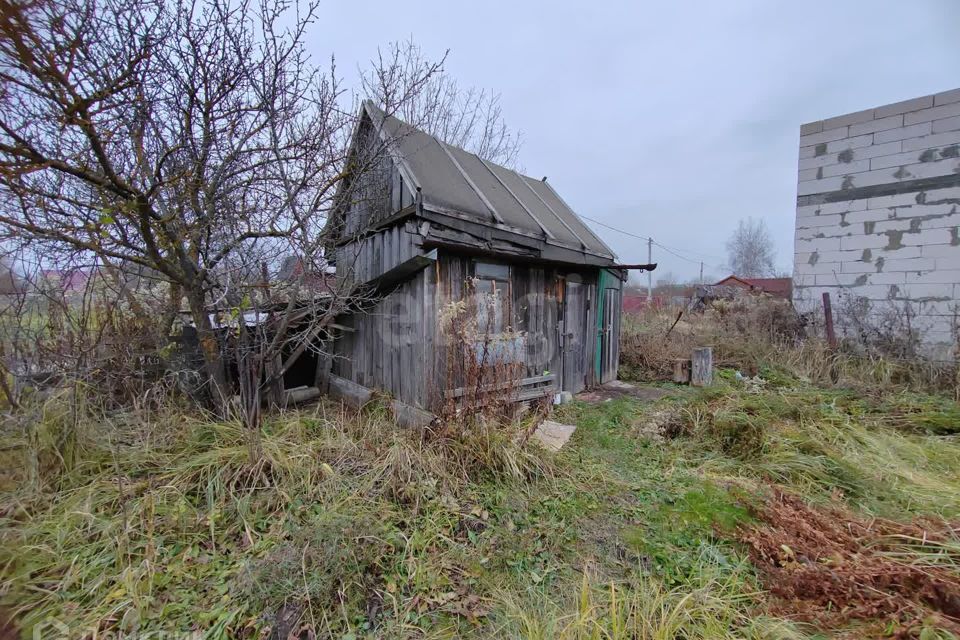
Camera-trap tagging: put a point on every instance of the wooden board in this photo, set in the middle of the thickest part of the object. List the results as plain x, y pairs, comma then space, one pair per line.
701, 367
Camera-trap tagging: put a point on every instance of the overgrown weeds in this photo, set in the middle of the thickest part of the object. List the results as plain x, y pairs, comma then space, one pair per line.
758, 334
348, 524
187, 533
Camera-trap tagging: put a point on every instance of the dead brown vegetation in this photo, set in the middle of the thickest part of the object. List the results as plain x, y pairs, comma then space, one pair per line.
765, 335
829, 566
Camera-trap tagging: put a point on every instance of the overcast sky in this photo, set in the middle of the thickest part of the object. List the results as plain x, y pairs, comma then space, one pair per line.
670, 119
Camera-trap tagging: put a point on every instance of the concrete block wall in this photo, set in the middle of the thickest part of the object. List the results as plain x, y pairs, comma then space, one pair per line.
878, 216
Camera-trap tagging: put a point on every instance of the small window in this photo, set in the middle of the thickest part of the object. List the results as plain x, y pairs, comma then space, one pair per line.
491, 271
491, 289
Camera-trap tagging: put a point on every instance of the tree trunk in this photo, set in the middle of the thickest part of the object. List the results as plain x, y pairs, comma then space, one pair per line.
210, 349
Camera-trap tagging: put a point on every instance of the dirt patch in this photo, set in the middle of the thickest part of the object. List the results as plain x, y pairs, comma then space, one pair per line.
829, 567
618, 389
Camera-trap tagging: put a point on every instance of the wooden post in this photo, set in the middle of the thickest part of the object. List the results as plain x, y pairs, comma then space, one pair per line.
701, 370
828, 318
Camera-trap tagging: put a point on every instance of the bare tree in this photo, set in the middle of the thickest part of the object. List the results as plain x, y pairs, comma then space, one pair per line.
667, 279
750, 249
193, 141
468, 118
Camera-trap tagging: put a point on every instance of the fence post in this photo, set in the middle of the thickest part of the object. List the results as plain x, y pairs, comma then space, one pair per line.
828, 318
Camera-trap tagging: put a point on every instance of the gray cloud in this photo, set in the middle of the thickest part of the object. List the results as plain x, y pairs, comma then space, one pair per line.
671, 119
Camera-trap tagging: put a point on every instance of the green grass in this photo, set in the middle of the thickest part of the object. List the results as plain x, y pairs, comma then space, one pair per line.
367, 530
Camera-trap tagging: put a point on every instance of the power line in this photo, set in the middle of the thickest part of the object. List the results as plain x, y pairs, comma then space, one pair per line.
671, 250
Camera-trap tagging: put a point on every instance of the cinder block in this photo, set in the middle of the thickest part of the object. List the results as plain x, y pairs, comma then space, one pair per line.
817, 161
932, 212
904, 172
880, 176
816, 244
913, 131
809, 174
947, 221
896, 200
814, 222
819, 186
895, 160
827, 135
933, 169
947, 252
837, 279
880, 124
870, 291
945, 125
846, 168
903, 107
911, 264
936, 276
934, 113
840, 256
821, 268
935, 195
811, 128
927, 236
888, 278
856, 142
874, 150
945, 138
946, 97
897, 224
903, 253
829, 208
859, 242
807, 233
850, 118
951, 264
914, 291
858, 267
870, 215
800, 280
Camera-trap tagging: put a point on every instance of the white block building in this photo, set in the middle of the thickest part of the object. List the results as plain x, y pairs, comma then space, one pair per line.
878, 219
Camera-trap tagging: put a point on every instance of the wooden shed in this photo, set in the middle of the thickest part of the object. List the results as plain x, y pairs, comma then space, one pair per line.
447, 240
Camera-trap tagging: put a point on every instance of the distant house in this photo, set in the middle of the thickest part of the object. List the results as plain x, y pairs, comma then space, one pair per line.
776, 287
439, 230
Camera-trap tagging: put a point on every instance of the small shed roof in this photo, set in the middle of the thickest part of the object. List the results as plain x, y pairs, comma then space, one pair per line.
457, 181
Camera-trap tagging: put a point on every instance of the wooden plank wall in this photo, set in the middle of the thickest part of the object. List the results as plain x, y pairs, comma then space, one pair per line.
390, 346
390, 341
399, 345
368, 257
537, 297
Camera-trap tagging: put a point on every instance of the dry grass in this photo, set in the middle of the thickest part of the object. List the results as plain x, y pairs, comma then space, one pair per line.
756, 334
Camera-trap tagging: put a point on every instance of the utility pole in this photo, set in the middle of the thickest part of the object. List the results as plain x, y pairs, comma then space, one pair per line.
701, 272
649, 273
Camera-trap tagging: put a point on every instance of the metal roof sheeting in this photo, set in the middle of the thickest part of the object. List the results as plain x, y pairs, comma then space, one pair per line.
457, 180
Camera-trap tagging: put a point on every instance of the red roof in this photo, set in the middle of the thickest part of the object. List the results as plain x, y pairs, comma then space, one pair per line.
779, 287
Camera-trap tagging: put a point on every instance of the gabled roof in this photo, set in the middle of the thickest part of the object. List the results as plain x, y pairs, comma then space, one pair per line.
460, 183
782, 287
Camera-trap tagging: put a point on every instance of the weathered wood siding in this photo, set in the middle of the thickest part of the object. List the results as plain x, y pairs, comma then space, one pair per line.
370, 256
401, 345
378, 192
537, 304
390, 347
